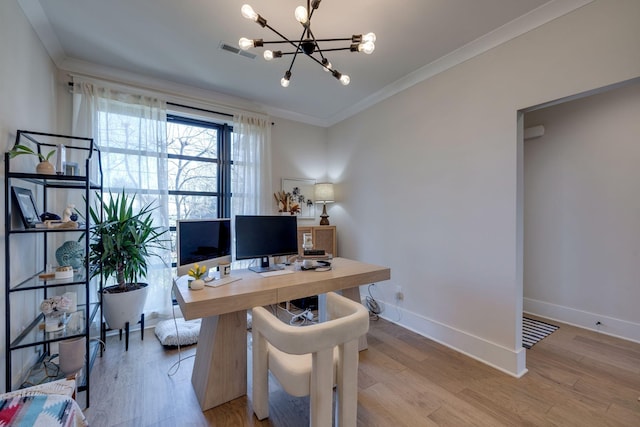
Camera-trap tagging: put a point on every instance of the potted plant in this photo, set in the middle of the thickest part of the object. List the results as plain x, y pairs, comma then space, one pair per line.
44, 167
197, 272
121, 242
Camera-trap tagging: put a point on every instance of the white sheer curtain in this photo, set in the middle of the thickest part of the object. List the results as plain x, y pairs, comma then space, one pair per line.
130, 130
251, 154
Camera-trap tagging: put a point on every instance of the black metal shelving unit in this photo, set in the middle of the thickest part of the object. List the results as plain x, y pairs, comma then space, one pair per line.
87, 320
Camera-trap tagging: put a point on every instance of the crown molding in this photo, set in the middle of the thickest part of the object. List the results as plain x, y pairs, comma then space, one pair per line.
40, 23
521, 25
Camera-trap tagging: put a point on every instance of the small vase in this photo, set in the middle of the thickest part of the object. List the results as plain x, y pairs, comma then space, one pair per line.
45, 168
196, 285
71, 355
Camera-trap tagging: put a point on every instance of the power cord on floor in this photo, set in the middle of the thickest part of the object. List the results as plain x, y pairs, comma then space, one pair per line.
173, 369
100, 343
374, 307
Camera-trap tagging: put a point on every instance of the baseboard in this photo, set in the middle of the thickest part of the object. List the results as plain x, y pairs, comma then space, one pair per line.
583, 319
511, 362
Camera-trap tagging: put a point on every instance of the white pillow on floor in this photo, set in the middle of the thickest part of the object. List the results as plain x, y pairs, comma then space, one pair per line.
187, 332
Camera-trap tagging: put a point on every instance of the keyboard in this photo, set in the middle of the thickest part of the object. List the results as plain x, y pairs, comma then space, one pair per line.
223, 281
275, 273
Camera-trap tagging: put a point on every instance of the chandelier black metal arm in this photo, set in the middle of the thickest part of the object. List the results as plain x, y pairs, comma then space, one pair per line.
307, 43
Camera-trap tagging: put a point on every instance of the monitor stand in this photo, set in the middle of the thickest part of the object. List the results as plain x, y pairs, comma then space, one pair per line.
264, 266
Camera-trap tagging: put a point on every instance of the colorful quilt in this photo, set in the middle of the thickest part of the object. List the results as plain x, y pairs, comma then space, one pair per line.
41, 411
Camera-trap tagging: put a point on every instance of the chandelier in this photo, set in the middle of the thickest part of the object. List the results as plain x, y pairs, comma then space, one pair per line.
308, 44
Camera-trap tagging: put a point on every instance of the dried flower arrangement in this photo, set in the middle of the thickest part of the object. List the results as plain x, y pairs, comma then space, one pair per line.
291, 202
55, 304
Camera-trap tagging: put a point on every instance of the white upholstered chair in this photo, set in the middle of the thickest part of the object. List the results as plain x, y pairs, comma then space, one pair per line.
310, 360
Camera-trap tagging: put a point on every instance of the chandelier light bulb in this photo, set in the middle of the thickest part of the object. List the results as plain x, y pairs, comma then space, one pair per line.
301, 14
369, 37
268, 55
345, 80
248, 12
245, 43
285, 80
326, 65
367, 47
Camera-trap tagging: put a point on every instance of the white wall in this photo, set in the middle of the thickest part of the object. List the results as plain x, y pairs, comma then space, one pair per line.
429, 177
582, 213
298, 151
27, 101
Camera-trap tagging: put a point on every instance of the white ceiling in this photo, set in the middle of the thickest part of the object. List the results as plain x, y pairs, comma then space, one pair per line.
179, 42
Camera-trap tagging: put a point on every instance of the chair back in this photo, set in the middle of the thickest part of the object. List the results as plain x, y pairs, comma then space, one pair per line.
348, 320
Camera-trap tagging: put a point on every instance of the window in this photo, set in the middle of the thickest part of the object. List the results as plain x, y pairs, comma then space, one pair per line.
131, 130
199, 170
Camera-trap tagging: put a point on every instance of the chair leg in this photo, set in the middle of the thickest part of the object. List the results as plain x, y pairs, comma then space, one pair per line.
347, 387
260, 375
321, 393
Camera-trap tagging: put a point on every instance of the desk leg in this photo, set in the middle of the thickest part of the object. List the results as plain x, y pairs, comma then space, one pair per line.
354, 294
220, 369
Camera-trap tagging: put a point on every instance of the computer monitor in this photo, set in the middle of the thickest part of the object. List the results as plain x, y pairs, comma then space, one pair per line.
263, 236
204, 242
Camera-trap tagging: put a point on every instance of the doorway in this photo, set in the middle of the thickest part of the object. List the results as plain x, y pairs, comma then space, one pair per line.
580, 210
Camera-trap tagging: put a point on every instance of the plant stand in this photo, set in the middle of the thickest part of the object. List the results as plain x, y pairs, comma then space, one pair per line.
126, 331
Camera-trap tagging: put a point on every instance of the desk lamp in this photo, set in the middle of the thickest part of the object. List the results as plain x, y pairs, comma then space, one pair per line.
323, 193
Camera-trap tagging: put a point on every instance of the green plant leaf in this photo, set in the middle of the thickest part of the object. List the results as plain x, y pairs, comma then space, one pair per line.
122, 241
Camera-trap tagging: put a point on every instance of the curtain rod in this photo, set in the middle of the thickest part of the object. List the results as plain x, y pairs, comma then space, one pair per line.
187, 106
203, 109
199, 109
190, 107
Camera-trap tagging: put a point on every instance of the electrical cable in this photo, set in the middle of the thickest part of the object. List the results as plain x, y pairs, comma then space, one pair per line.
374, 307
171, 371
102, 343
178, 363
300, 319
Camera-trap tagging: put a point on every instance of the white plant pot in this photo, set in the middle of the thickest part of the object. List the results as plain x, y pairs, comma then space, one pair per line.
71, 355
196, 285
120, 308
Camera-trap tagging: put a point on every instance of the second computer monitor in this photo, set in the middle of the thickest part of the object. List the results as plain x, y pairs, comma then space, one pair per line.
264, 236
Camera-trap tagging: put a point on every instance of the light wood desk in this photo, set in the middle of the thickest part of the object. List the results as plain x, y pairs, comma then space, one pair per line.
220, 368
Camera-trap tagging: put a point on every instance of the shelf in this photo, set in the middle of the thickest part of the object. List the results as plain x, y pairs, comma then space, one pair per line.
34, 282
35, 334
82, 154
55, 181
49, 230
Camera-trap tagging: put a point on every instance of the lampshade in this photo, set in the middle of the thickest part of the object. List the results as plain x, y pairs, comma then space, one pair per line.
323, 193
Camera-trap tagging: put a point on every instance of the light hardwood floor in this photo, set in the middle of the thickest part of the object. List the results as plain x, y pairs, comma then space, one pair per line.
576, 378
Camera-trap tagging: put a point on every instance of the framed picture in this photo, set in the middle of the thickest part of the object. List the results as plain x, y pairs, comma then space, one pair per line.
301, 191
26, 206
